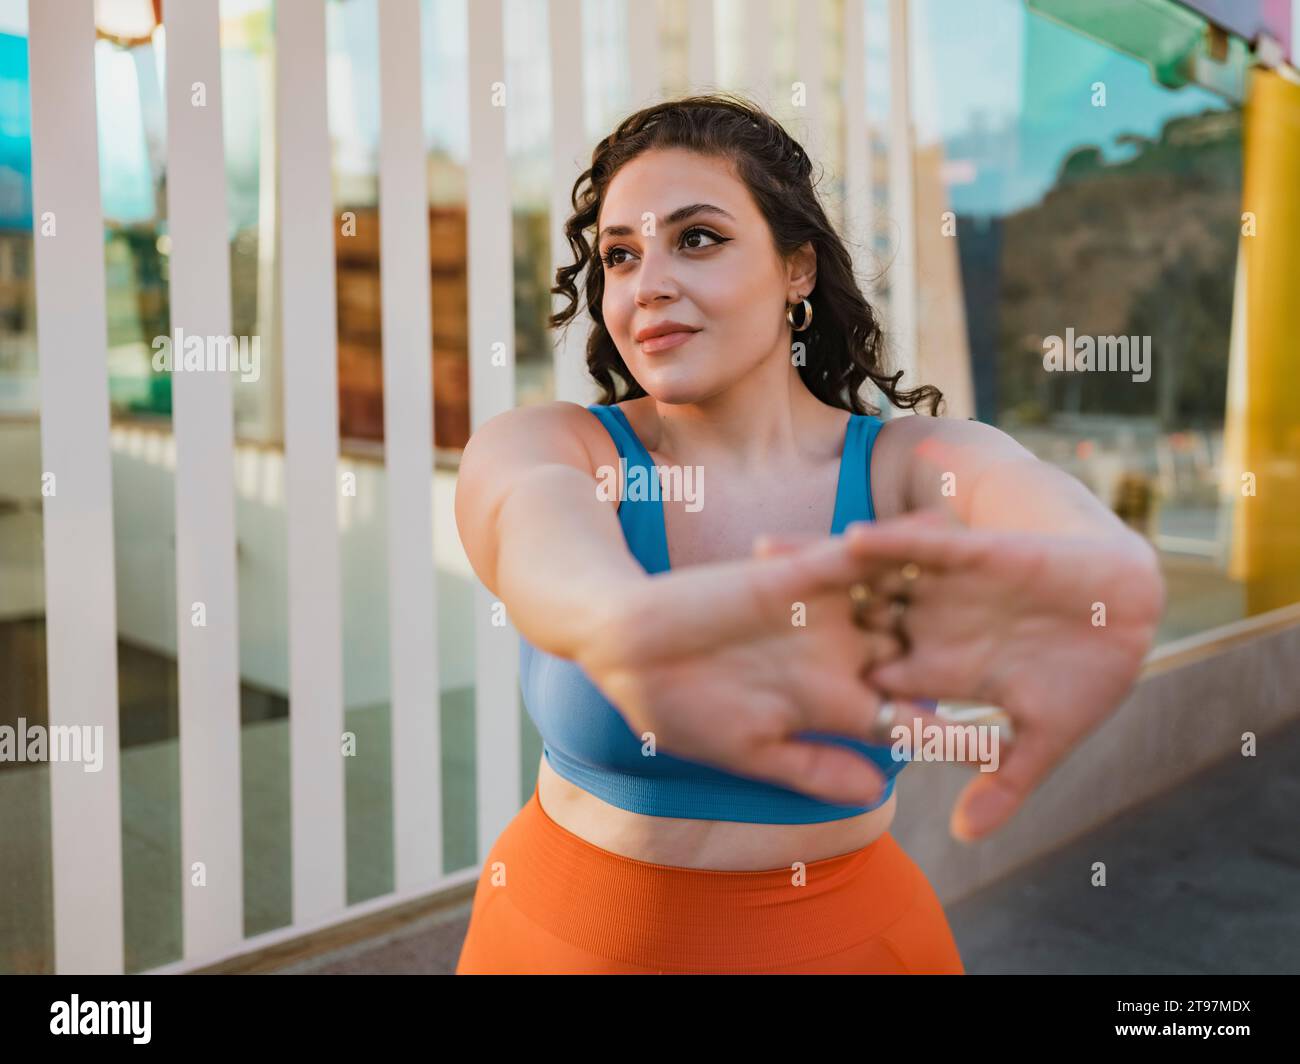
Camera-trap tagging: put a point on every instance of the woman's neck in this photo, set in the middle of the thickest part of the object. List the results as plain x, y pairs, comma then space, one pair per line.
763, 421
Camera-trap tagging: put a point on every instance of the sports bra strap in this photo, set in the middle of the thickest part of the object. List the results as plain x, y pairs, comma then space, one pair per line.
642, 519
625, 437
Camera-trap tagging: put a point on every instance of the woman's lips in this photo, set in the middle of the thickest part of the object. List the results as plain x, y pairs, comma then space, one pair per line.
663, 343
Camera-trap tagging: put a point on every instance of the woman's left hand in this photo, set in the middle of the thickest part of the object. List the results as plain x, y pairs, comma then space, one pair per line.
1051, 628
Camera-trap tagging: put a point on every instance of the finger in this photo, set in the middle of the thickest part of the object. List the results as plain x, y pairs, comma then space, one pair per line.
925, 542
828, 563
833, 708
838, 706
920, 673
927, 517
819, 769
911, 722
769, 545
880, 648
908, 712
993, 798
940, 516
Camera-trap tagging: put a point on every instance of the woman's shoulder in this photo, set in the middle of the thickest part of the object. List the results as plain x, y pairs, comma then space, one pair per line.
914, 451
542, 433
912, 430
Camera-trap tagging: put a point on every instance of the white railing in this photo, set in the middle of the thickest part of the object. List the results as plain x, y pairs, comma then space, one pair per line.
212, 906
80, 645
79, 560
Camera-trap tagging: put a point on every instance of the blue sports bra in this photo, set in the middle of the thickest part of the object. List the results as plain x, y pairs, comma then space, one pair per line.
587, 741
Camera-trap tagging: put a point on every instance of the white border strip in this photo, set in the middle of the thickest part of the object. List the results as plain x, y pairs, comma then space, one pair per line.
203, 426
311, 451
491, 391
570, 156
408, 450
80, 591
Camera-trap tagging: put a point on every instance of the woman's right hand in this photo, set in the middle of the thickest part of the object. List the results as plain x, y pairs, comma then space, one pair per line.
727, 663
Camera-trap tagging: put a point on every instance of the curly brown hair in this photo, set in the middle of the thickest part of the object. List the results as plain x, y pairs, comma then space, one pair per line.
844, 345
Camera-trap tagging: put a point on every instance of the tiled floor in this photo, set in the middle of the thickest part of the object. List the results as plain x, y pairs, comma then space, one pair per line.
1205, 878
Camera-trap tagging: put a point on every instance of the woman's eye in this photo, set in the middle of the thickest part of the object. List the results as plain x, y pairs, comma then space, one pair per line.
700, 232
610, 262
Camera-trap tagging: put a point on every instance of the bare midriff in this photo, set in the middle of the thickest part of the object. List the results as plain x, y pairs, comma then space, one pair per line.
719, 845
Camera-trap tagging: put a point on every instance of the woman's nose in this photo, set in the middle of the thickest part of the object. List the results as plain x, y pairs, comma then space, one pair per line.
655, 278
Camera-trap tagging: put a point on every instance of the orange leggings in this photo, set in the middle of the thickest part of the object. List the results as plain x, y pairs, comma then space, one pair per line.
549, 902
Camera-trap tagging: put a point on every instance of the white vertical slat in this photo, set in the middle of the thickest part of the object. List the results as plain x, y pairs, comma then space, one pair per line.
858, 183
701, 46
902, 286
643, 53
758, 51
207, 656
491, 391
80, 597
408, 449
311, 447
265, 405
809, 67
570, 156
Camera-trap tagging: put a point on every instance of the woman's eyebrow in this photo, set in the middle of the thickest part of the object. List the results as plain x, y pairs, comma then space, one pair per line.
680, 214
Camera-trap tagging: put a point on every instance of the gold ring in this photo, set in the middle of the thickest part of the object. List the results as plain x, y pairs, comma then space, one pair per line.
861, 595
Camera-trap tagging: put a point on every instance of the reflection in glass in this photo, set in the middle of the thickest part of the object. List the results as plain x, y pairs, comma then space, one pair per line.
1092, 205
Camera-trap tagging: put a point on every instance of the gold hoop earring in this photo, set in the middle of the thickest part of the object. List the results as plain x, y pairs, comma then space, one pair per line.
807, 316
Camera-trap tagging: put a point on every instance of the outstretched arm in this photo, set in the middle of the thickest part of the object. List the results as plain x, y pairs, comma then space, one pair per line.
708, 658
1038, 600
987, 480
534, 528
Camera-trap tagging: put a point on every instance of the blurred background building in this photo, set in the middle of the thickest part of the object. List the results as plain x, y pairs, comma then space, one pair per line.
1003, 171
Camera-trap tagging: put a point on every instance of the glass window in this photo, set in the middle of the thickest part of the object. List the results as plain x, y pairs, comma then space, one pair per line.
1088, 206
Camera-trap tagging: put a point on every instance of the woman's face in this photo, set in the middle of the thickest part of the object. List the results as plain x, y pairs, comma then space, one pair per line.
689, 245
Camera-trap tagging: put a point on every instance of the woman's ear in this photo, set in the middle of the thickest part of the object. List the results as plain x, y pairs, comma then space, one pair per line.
802, 271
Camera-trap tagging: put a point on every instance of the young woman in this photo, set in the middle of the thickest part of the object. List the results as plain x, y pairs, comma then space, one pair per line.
717, 782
